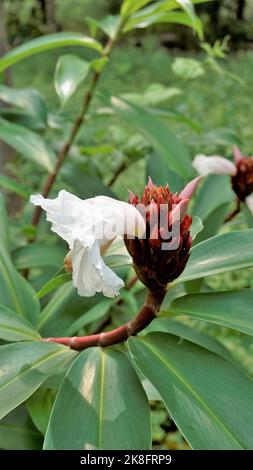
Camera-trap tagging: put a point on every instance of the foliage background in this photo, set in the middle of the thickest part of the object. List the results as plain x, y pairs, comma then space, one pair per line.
218, 107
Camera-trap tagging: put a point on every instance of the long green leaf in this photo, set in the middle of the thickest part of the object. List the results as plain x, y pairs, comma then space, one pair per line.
96, 312
17, 432
102, 395
15, 292
4, 226
28, 100
209, 399
185, 332
39, 407
159, 170
28, 143
231, 309
44, 43
219, 254
128, 7
53, 284
13, 186
174, 17
14, 328
157, 134
24, 367
38, 255
214, 192
69, 73
65, 307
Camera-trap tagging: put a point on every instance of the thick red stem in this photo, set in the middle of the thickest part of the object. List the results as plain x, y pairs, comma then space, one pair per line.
147, 313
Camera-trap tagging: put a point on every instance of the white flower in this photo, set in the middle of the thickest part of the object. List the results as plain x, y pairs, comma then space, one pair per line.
213, 165
249, 202
89, 227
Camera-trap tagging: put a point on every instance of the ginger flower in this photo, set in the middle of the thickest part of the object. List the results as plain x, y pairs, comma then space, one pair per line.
89, 227
241, 172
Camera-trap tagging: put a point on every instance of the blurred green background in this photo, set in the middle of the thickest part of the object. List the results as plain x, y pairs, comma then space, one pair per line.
219, 101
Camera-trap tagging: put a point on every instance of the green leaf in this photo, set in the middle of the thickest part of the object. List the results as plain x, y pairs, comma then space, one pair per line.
230, 309
220, 136
208, 398
109, 25
166, 12
154, 94
98, 311
15, 292
129, 7
160, 173
13, 186
46, 42
103, 396
185, 332
219, 254
187, 6
38, 255
4, 226
212, 223
29, 144
69, 73
160, 137
83, 184
53, 284
24, 367
39, 407
187, 68
14, 328
63, 309
28, 100
17, 432
115, 261
247, 215
196, 226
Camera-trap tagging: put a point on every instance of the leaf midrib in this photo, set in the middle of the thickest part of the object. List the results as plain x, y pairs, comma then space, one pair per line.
24, 333
193, 391
101, 401
27, 371
212, 319
11, 286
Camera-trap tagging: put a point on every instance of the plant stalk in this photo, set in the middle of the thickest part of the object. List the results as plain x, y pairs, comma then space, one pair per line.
234, 212
76, 126
145, 316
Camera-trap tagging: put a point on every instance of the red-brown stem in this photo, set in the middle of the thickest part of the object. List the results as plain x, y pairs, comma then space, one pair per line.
234, 212
132, 282
75, 128
147, 313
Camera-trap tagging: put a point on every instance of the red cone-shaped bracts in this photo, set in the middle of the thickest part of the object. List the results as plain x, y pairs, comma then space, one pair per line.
242, 181
161, 255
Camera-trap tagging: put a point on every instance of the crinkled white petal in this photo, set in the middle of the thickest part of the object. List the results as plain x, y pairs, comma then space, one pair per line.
213, 165
249, 202
88, 227
101, 218
90, 273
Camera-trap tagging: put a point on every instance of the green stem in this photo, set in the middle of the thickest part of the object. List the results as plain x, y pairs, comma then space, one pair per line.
76, 126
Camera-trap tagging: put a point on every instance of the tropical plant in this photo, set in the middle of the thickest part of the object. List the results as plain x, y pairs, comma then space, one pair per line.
78, 369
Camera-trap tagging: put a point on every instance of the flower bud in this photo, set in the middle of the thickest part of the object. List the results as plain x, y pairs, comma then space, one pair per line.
161, 256
242, 181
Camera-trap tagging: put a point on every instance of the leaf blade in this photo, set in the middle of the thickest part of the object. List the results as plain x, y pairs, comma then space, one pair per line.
44, 43
28, 143
219, 254
195, 377
230, 309
108, 373
24, 367
15, 328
